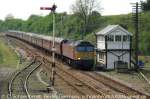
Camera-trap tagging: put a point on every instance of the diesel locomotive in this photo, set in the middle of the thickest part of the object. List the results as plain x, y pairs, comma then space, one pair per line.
79, 54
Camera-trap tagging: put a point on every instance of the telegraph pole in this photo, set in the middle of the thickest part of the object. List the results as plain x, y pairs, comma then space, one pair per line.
137, 35
52, 78
136, 9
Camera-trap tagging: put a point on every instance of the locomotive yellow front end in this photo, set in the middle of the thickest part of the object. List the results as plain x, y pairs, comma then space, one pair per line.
85, 55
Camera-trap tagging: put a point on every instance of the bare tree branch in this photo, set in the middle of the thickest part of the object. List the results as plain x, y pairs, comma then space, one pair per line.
85, 8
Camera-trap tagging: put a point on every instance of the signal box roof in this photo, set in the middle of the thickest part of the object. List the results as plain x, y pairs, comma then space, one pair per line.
111, 28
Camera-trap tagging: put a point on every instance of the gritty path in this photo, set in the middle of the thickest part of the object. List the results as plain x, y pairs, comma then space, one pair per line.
39, 77
1, 87
4, 74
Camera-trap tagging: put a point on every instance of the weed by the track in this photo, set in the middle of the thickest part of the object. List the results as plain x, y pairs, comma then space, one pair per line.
8, 57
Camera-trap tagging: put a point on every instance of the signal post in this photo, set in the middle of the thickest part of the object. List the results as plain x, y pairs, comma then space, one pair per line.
52, 78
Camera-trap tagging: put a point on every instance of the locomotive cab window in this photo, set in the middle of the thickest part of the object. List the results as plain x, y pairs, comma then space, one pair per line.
85, 49
89, 49
80, 48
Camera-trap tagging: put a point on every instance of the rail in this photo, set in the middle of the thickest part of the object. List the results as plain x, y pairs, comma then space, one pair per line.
26, 81
120, 86
13, 78
145, 78
10, 84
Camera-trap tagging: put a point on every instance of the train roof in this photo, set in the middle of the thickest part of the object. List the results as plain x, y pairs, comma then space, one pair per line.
49, 38
78, 43
57, 39
81, 42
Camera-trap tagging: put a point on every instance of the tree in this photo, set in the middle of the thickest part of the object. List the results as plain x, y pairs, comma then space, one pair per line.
146, 5
84, 9
32, 24
94, 21
9, 17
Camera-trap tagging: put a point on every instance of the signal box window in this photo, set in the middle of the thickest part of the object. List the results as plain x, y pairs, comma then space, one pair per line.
118, 38
126, 38
110, 38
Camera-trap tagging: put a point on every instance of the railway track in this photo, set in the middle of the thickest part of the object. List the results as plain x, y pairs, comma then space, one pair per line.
84, 84
145, 77
18, 85
108, 86
146, 73
77, 86
86, 87
116, 85
98, 84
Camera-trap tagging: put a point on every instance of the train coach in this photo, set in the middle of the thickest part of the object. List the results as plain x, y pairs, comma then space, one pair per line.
79, 54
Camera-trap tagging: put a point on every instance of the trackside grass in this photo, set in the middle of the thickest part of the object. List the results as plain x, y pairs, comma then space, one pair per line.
8, 58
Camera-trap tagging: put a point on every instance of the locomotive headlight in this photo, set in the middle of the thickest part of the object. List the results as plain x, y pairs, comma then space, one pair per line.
79, 58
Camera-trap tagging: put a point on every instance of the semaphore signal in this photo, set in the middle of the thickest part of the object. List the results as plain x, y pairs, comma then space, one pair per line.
53, 8
45, 8
52, 78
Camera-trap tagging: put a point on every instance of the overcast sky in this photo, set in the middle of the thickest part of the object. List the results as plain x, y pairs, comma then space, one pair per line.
24, 8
